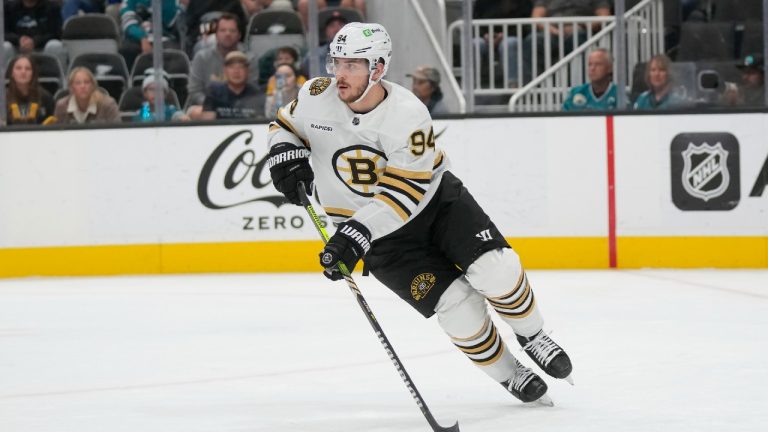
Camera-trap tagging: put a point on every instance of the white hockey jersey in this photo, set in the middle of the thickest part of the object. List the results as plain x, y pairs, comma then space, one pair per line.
381, 167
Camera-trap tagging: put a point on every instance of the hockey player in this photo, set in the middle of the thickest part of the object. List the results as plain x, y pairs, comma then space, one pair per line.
379, 175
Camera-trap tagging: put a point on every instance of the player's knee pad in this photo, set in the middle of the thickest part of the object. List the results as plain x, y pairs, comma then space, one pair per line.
500, 277
461, 311
496, 272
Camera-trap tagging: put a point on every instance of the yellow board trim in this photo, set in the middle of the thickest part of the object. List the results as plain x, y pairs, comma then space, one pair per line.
301, 256
692, 252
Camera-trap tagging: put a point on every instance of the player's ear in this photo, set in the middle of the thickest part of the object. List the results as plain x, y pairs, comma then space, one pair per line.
379, 70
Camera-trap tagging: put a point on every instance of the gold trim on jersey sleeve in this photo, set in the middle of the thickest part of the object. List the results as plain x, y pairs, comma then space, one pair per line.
396, 206
402, 187
273, 127
411, 175
336, 211
438, 160
287, 125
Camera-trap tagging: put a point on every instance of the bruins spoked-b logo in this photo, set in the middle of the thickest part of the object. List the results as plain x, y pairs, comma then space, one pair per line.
319, 85
359, 168
421, 285
705, 171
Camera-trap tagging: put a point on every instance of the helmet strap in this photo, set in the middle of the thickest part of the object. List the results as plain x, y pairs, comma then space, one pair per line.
371, 83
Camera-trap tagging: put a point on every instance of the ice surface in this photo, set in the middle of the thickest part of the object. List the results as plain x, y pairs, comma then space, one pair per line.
653, 350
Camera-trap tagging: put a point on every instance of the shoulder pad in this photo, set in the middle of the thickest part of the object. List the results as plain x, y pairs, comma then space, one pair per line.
319, 85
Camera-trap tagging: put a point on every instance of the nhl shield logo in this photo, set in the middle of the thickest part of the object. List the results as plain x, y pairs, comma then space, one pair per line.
705, 170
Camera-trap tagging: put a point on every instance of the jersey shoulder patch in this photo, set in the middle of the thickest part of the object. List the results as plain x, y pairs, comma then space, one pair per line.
319, 85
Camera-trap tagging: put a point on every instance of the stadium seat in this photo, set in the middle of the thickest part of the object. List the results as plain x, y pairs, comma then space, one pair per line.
275, 28
49, 71
737, 10
132, 98
711, 78
176, 66
706, 41
109, 69
749, 38
90, 33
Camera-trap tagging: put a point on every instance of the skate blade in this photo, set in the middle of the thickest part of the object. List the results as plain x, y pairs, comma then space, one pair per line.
569, 379
545, 401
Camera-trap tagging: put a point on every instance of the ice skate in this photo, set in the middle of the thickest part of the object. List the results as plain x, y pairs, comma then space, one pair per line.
548, 355
527, 386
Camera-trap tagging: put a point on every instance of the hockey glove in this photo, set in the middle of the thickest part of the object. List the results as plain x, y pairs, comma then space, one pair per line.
351, 242
289, 166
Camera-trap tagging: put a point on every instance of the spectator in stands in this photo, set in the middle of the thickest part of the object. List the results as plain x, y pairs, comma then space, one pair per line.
252, 7
70, 8
600, 92
332, 25
85, 103
235, 98
303, 7
558, 8
196, 10
660, 93
286, 89
750, 92
496, 9
282, 55
33, 25
426, 87
208, 64
26, 101
136, 22
149, 88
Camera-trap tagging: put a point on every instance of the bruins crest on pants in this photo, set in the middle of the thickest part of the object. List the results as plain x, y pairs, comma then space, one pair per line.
319, 85
421, 285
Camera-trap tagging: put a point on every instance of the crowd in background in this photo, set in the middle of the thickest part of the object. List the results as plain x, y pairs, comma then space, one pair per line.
227, 80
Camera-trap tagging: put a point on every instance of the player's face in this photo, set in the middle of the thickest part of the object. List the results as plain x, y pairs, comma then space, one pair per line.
351, 78
22, 71
598, 66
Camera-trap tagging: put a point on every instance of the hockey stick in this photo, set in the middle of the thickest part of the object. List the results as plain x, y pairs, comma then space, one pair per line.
374, 323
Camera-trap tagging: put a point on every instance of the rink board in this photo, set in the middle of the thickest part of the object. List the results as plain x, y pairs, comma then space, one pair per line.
199, 198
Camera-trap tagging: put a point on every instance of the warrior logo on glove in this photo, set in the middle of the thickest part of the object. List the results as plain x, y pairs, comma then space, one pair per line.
350, 243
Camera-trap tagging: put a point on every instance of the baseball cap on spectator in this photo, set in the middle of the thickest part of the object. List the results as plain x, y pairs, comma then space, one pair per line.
751, 61
236, 56
149, 78
426, 73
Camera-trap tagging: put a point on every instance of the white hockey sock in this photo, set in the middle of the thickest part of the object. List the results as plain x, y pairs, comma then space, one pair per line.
463, 315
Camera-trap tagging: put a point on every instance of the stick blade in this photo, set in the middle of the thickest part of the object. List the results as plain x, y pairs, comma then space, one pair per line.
438, 428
